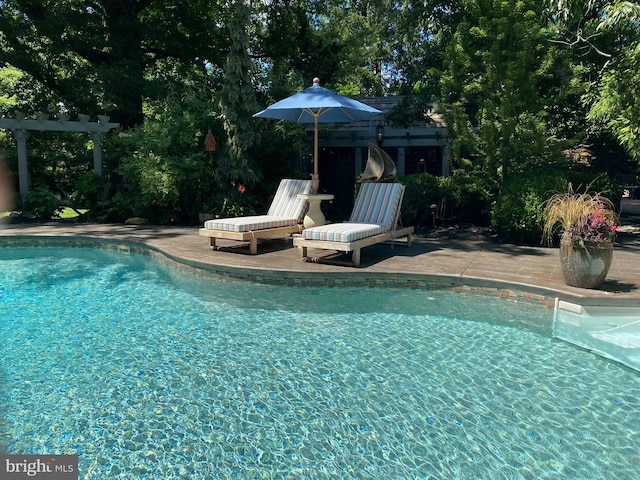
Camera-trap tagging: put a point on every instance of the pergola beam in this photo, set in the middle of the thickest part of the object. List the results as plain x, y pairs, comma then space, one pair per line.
101, 126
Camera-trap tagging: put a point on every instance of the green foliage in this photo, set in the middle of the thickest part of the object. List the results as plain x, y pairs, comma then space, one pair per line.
238, 103
238, 202
41, 204
514, 80
495, 64
117, 208
517, 215
615, 102
167, 175
89, 191
466, 197
9, 78
102, 58
421, 191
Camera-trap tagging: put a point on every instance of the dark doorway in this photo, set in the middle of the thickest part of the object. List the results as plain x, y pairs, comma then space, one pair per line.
423, 159
337, 176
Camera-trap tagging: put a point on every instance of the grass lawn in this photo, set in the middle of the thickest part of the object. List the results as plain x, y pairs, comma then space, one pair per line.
69, 213
66, 214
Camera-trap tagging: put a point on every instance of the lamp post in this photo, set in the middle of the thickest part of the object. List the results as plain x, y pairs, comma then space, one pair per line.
434, 209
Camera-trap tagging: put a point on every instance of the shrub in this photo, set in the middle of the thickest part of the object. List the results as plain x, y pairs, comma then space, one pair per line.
468, 196
421, 191
517, 215
41, 204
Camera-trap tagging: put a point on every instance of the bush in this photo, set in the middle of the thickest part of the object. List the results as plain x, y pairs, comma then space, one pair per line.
467, 198
517, 215
41, 204
422, 190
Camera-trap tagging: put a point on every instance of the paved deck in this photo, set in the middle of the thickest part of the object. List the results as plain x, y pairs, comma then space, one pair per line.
534, 270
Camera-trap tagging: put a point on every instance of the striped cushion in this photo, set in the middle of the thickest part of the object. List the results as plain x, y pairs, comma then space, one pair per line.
342, 232
285, 203
377, 203
248, 224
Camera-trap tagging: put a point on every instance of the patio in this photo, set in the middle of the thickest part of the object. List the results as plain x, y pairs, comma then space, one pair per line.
429, 262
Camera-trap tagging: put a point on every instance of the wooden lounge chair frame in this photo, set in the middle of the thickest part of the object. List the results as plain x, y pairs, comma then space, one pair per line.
252, 236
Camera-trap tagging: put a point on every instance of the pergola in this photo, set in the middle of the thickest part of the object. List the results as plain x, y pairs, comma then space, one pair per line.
21, 126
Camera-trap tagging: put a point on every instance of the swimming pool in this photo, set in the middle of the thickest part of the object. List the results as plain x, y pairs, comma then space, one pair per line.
146, 373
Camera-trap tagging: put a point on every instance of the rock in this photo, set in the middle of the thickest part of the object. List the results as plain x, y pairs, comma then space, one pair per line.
136, 221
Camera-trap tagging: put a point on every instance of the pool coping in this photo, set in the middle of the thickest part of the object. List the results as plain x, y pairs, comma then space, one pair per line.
464, 282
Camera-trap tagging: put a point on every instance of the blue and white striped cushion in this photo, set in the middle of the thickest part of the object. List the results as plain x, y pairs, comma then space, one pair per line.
342, 232
286, 202
248, 224
377, 203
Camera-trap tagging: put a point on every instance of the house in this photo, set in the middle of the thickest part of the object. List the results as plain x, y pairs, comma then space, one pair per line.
343, 150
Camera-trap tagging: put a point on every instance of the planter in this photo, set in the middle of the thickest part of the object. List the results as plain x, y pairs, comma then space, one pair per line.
585, 266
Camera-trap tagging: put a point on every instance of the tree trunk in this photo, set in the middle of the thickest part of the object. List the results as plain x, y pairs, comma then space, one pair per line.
124, 72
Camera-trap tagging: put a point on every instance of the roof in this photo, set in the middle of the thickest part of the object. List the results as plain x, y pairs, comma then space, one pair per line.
386, 105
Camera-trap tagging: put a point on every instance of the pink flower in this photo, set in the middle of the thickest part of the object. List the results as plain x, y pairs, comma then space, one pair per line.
241, 188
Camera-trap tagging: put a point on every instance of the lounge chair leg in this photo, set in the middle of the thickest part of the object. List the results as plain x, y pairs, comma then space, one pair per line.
253, 246
212, 243
303, 251
356, 257
409, 240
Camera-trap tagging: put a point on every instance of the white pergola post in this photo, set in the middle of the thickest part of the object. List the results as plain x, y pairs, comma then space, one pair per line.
23, 161
97, 138
445, 161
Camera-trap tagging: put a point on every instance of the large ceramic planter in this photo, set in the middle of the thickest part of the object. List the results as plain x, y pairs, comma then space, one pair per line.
585, 266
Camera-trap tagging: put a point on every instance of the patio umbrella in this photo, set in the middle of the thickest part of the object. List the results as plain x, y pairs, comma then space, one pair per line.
314, 105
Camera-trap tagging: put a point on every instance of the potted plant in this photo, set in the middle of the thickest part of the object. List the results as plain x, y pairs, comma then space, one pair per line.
587, 223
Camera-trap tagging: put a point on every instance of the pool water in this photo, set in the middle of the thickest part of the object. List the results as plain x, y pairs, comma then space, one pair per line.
145, 373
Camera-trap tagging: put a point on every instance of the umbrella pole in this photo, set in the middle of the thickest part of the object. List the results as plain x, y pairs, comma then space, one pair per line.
315, 177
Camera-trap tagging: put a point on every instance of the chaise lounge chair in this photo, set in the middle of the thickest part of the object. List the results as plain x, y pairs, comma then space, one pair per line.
373, 220
284, 217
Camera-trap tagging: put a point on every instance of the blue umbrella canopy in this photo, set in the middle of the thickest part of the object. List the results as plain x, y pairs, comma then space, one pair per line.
317, 104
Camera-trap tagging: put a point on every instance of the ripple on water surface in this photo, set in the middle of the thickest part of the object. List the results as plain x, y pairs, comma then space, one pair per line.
147, 375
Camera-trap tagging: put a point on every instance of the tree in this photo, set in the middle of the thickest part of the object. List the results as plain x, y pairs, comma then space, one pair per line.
238, 103
495, 64
615, 101
95, 57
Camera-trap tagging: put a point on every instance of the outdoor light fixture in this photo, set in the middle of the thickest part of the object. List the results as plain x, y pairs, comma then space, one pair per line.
380, 133
434, 209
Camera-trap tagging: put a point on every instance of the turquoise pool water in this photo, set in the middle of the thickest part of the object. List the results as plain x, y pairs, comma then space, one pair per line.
148, 374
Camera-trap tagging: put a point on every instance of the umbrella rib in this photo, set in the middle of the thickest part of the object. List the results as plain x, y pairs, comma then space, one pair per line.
314, 113
353, 119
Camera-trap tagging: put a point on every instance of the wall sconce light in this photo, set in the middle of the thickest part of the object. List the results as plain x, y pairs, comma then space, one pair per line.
380, 133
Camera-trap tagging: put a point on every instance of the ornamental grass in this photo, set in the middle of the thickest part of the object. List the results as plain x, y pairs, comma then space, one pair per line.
573, 212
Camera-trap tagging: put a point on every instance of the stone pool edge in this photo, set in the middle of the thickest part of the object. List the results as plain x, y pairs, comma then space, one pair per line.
514, 291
